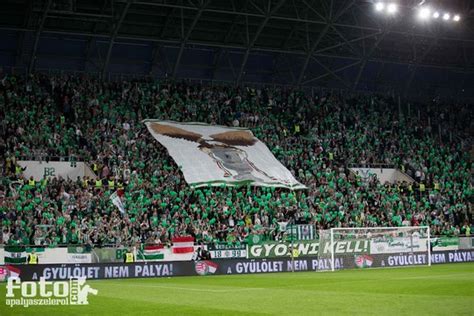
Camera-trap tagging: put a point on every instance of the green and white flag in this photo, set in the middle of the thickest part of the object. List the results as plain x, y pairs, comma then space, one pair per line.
301, 232
15, 255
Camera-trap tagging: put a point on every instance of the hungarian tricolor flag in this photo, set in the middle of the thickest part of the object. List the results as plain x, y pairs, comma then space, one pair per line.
152, 252
183, 244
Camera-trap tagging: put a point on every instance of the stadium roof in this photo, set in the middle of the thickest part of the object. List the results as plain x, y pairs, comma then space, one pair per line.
333, 44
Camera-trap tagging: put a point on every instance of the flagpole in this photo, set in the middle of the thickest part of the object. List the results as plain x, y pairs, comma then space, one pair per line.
140, 250
292, 248
292, 220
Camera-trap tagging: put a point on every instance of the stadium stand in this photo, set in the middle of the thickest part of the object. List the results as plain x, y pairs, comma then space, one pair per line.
78, 118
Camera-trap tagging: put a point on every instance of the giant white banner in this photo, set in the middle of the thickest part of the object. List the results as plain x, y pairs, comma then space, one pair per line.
213, 155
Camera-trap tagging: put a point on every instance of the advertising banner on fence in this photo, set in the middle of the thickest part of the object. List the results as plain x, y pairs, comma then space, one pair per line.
228, 266
216, 155
446, 256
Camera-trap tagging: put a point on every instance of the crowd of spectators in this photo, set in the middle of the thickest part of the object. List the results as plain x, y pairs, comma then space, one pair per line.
77, 118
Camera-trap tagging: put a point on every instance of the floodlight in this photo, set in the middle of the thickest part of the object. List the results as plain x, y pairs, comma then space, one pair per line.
424, 13
446, 16
436, 15
457, 18
392, 8
379, 6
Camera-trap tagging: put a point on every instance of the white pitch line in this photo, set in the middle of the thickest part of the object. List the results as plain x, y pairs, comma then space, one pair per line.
193, 289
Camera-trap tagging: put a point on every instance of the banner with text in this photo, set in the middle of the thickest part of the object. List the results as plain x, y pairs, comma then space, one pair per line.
229, 266
224, 251
398, 245
306, 248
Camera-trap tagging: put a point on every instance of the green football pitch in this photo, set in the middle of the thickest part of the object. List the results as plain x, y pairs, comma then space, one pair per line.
438, 290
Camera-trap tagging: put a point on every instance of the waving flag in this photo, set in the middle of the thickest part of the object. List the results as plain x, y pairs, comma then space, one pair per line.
116, 199
215, 155
152, 252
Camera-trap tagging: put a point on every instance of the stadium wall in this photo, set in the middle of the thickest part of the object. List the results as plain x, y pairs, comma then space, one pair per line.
228, 266
265, 250
78, 254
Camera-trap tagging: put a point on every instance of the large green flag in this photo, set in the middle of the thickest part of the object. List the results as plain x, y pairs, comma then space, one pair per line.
254, 239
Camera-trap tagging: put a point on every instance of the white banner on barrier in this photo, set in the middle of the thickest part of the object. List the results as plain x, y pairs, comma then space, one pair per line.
79, 258
55, 255
390, 175
67, 170
213, 155
398, 244
466, 243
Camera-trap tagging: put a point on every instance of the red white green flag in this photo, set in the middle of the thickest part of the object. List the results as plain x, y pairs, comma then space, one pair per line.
151, 252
